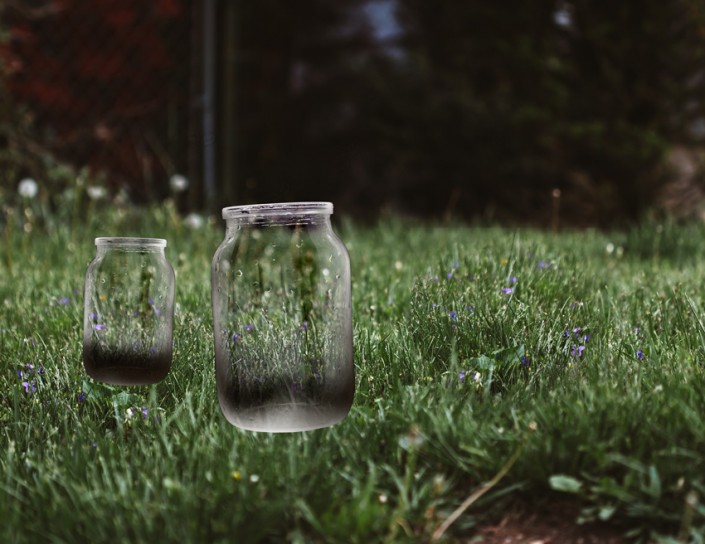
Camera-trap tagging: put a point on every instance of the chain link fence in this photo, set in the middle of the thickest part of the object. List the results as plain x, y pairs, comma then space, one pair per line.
112, 85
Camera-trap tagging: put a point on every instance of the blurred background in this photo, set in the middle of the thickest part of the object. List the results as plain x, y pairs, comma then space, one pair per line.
543, 113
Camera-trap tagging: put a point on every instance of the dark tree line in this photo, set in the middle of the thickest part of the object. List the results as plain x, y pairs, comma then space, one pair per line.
489, 109
475, 109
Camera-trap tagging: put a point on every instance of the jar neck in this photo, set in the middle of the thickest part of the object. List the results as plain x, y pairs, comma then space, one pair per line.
305, 221
135, 245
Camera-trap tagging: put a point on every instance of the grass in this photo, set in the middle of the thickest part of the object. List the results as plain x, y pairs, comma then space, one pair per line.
471, 344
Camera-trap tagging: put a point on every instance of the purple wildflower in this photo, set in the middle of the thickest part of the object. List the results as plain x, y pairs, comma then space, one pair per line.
145, 412
63, 301
304, 325
639, 354
249, 328
29, 387
543, 264
99, 326
235, 337
525, 360
461, 376
20, 374
507, 290
453, 316
587, 338
296, 388
81, 397
577, 351
513, 279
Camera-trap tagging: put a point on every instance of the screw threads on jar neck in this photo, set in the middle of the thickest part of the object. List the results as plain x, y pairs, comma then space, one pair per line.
130, 244
288, 213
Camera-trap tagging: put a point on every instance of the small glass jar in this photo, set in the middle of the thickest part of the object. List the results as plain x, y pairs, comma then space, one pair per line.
282, 318
128, 312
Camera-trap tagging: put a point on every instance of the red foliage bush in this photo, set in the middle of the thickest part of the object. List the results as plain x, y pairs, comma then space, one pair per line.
101, 78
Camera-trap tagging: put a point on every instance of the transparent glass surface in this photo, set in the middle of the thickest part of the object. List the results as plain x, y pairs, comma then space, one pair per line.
128, 312
282, 318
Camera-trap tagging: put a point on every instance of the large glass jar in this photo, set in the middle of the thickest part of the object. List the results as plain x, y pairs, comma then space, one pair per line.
128, 312
282, 318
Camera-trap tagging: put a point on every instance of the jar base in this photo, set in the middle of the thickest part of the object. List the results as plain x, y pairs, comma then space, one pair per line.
286, 418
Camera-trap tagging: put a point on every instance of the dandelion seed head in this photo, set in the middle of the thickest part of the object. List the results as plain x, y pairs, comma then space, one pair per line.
178, 183
28, 188
194, 221
96, 192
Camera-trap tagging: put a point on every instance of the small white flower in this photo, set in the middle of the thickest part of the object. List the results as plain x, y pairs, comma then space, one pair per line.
96, 192
129, 413
28, 188
193, 221
178, 183
609, 248
254, 478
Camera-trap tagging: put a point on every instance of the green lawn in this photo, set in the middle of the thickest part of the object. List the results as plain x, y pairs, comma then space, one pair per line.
580, 354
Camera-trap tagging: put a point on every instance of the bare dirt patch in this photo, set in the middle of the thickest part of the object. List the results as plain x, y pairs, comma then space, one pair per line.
553, 524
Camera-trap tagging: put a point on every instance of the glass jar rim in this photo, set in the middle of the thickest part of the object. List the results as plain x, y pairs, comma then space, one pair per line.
129, 241
278, 208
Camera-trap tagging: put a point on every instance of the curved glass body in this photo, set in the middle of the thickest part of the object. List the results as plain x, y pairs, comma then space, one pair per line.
282, 318
128, 312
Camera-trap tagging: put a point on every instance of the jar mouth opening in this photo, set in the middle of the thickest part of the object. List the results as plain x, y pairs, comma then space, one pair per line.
278, 208
121, 241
